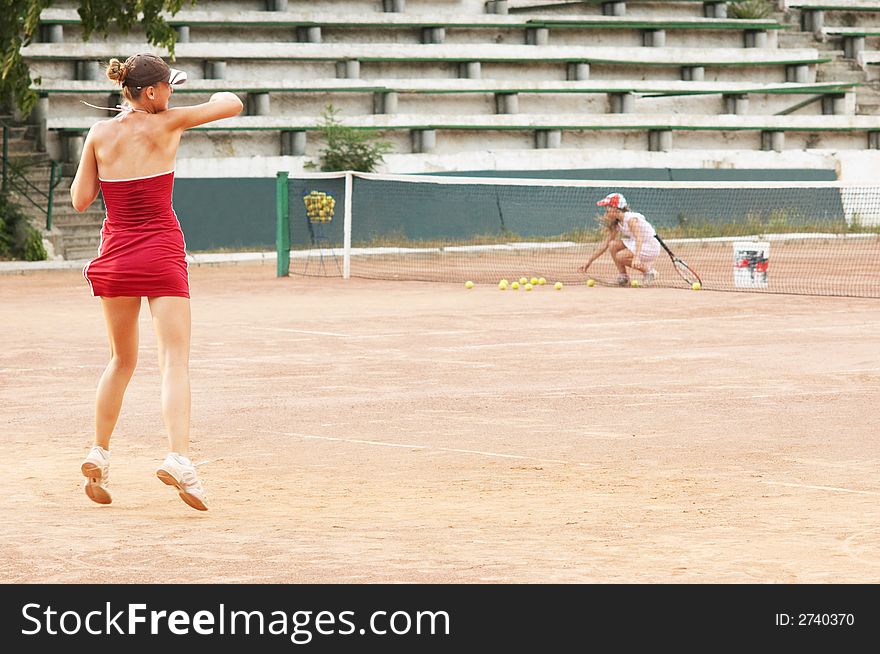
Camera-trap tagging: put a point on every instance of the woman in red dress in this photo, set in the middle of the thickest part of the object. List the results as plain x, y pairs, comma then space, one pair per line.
130, 159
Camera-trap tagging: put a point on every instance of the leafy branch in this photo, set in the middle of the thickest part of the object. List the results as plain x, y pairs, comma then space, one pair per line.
20, 20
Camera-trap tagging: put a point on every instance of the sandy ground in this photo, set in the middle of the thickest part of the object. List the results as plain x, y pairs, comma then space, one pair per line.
352, 432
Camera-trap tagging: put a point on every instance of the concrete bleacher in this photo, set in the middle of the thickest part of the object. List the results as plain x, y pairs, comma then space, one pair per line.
870, 61
716, 8
470, 98
815, 13
313, 27
854, 23
651, 132
447, 76
299, 59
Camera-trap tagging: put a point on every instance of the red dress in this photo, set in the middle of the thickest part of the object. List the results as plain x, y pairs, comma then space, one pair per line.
142, 251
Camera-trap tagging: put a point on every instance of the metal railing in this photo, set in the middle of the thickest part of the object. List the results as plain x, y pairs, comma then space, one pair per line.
15, 179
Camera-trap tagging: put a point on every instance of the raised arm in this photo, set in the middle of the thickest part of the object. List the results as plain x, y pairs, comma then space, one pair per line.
221, 105
85, 185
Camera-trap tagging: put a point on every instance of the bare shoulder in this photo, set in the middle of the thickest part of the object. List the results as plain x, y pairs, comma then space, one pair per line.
101, 128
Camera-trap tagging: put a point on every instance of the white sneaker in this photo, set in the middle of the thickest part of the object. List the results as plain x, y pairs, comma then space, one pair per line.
623, 280
178, 471
96, 469
650, 276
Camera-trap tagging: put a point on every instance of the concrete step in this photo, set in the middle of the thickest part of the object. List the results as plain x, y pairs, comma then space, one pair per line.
37, 187
32, 182
39, 179
79, 253
84, 242
839, 71
75, 226
70, 224
792, 39
81, 243
65, 209
28, 158
16, 132
17, 146
65, 212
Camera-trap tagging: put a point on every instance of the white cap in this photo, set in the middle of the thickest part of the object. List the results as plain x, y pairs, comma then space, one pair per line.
615, 200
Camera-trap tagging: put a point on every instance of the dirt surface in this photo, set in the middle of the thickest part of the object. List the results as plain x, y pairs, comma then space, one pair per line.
363, 431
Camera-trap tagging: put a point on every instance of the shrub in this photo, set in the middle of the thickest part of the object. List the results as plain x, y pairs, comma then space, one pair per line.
750, 9
18, 238
348, 148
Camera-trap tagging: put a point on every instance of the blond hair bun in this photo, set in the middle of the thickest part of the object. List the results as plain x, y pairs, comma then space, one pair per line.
117, 71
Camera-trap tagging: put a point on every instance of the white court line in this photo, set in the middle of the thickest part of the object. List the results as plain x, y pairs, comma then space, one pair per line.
362, 336
355, 440
426, 447
504, 456
585, 325
826, 488
297, 331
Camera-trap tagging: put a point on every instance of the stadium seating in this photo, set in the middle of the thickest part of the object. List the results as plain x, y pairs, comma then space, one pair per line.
195, 26
855, 24
444, 77
813, 12
710, 7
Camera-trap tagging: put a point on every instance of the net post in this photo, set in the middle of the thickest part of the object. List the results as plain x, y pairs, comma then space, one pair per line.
346, 239
282, 225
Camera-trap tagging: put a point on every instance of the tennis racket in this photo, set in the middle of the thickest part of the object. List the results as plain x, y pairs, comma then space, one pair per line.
684, 271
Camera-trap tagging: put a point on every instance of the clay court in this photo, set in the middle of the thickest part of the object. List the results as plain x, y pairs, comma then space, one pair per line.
364, 431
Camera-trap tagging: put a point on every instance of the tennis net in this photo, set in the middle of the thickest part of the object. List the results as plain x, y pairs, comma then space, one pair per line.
816, 238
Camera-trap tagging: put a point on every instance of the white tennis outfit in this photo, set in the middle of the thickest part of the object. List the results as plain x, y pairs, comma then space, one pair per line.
650, 245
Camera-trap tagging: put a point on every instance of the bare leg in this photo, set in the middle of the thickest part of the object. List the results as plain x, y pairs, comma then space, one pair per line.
622, 257
172, 323
121, 316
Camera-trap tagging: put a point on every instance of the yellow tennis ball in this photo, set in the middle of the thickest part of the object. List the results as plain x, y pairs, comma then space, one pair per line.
515, 286
523, 281
696, 286
591, 282
469, 284
634, 283
528, 287
542, 281
558, 286
503, 281
502, 285
533, 281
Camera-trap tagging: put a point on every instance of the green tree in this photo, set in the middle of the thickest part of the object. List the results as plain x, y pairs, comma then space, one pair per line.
19, 20
348, 148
